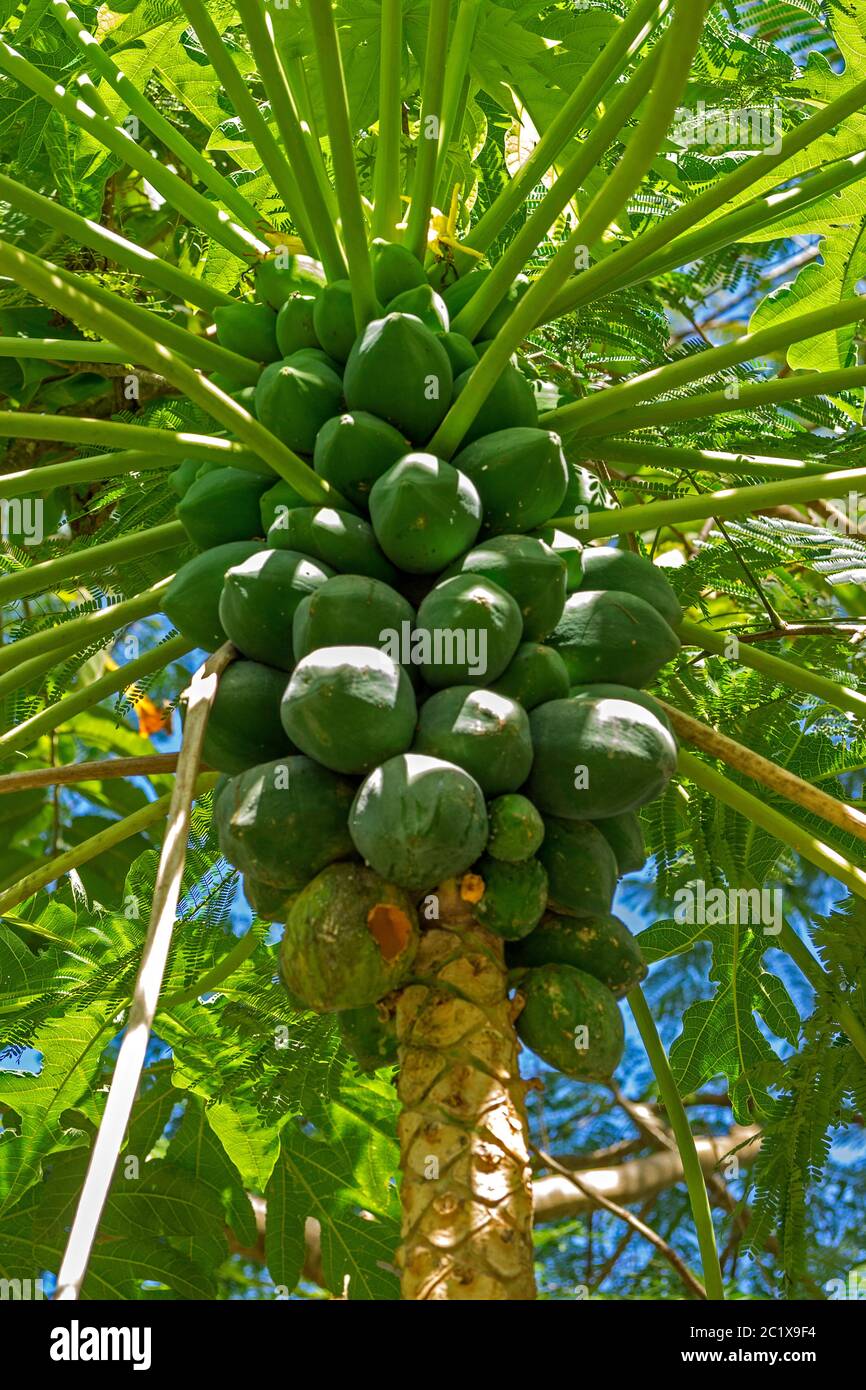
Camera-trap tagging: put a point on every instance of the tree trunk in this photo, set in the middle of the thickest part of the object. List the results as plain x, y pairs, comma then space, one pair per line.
466, 1191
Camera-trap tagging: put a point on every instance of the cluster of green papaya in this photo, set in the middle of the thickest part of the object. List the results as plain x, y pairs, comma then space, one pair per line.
432, 682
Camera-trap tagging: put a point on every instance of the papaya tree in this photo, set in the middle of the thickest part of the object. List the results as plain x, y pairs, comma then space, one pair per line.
412, 399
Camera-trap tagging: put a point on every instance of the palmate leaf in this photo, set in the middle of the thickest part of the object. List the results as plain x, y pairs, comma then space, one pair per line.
843, 264
320, 1178
72, 1049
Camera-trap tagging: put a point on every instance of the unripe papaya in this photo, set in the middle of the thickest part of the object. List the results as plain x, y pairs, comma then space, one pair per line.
571, 1022
598, 757
277, 502
601, 946
350, 939
249, 329
419, 820
521, 475
516, 829
534, 675
370, 1034
244, 725
284, 821
350, 708
458, 294
510, 405
606, 567
468, 630
350, 610
514, 896
334, 319
400, 371
280, 276
353, 450
461, 353
294, 399
611, 636
625, 837
223, 506
527, 569
259, 599
515, 292
484, 733
581, 867
570, 551
270, 903
192, 598
336, 538
183, 477
424, 513
295, 329
425, 304
602, 691
395, 269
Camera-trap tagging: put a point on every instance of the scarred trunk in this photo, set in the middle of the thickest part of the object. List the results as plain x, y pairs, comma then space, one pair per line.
467, 1197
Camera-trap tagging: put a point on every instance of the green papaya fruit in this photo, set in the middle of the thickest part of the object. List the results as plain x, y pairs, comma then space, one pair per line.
614, 637
335, 538
461, 353
514, 896
370, 1034
334, 319
316, 357
246, 397
351, 610
284, 821
418, 821
607, 568
424, 513
510, 405
467, 631
602, 947
625, 837
534, 675
295, 329
294, 399
400, 371
244, 725
396, 269
425, 304
183, 477
520, 474
350, 938
486, 734
223, 506
597, 758
515, 292
191, 601
516, 829
602, 691
350, 708
270, 903
277, 502
353, 450
226, 383
458, 294
259, 599
527, 569
570, 551
281, 275
571, 1022
581, 867
249, 329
